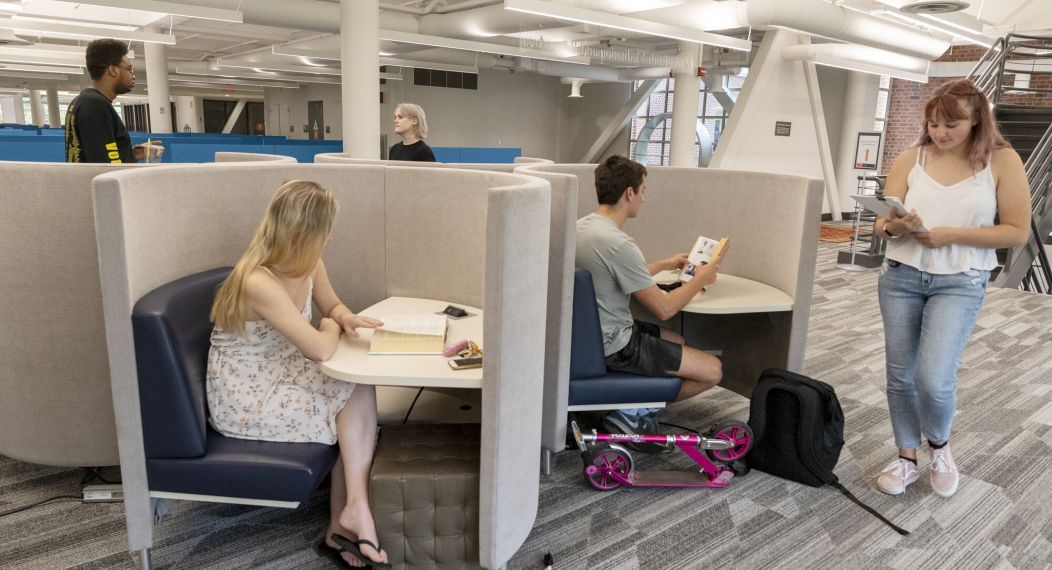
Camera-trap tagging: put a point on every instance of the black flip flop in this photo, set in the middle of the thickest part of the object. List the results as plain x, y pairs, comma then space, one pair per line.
334, 554
353, 546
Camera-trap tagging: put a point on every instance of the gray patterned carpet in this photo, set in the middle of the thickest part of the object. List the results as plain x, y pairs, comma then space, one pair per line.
1000, 518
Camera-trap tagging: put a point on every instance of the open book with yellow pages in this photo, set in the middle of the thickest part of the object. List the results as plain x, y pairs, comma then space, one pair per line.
410, 334
704, 249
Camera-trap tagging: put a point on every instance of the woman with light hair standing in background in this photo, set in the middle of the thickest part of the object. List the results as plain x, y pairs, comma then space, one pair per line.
410, 123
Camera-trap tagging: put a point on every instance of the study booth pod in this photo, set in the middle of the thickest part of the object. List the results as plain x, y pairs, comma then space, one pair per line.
343, 158
560, 271
55, 403
251, 157
772, 222
477, 238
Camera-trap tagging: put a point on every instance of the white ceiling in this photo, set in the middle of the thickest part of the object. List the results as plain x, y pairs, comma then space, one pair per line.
312, 51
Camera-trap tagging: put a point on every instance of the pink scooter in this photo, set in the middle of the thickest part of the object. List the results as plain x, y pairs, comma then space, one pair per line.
608, 465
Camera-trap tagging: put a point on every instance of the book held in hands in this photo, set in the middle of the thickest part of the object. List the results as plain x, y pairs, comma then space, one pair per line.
410, 334
704, 249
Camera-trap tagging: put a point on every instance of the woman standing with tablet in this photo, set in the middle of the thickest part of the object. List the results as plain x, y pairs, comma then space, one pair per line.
958, 177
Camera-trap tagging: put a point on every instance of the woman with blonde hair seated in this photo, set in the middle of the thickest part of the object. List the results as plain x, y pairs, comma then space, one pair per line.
264, 381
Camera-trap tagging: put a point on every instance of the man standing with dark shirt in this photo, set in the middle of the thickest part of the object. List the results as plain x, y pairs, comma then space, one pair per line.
94, 130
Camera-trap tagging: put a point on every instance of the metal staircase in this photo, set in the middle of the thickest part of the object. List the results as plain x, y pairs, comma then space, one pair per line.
1016, 75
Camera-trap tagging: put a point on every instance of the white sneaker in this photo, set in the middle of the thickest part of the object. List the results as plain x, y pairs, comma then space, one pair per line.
898, 475
944, 477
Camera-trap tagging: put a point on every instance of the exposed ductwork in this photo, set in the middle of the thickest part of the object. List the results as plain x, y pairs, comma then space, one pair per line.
815, 17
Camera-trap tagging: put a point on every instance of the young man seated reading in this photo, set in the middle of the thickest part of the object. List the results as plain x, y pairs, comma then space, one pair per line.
619, 272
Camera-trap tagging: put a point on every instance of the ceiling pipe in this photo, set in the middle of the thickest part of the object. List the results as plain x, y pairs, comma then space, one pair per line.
439, 7
427, 8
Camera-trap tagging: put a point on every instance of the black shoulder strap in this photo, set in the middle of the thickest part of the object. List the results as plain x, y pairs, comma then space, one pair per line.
758, 405
868, 508
805, 443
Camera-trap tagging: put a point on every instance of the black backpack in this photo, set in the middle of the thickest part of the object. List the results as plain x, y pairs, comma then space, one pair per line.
798, 432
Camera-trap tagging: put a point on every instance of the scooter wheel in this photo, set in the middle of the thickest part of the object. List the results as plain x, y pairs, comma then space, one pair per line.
736, 432
606, 461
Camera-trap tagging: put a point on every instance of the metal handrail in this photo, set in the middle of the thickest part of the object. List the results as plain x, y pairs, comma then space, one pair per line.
986, 69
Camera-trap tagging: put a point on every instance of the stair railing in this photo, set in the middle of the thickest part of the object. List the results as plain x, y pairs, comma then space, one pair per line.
1027, 266
986, 74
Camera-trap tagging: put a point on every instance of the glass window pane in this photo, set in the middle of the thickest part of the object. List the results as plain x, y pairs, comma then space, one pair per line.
882, 104
885, 82
878, 126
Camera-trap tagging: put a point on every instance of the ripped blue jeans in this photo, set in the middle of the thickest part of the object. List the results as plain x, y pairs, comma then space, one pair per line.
928, 319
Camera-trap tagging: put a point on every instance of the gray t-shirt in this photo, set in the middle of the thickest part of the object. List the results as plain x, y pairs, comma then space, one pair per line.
618, 269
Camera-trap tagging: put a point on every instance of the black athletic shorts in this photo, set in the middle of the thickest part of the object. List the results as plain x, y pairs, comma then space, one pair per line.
646, 353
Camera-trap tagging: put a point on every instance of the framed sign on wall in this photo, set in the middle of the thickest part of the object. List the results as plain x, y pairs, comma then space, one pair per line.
866, 151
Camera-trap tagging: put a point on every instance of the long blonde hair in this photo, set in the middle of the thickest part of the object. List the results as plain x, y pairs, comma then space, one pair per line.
291, 234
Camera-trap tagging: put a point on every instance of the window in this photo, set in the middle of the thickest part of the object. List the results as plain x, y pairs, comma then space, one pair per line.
883, 97
652, 125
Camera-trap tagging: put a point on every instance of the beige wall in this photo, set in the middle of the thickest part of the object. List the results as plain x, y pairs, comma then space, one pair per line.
520, 109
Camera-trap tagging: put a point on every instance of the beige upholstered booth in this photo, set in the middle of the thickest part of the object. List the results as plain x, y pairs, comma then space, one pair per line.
560, 312
476, 238
252, 157
520, 160
342, 158
55, 404
772, 222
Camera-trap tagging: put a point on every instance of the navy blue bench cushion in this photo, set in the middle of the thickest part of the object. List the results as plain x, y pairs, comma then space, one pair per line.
172, 337
586, 337
590, 382
621, 388
244, 468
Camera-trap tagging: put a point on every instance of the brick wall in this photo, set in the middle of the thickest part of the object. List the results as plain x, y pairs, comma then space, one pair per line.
906, 101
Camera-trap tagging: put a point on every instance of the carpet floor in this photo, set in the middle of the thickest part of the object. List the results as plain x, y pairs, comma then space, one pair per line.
1000, 518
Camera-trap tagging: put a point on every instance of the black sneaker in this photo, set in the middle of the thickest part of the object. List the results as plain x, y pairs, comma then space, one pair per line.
619, 422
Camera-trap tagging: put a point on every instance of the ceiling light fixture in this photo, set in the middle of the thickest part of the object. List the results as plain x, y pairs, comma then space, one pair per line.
646, 27
173, 8
484, 47
12, 6
399, 62
939, 25
82, 32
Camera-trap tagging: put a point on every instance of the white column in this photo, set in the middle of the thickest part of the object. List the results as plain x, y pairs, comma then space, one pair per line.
186, 114
20, 109
35, 108
157, 81
359, 50
7, 104
53, 117
860, 109
685, 109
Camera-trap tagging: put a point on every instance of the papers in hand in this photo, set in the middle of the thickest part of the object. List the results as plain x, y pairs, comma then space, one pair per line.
883, 207
410, 334
704, 249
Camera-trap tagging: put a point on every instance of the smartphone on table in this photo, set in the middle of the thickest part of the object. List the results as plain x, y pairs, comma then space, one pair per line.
465, 363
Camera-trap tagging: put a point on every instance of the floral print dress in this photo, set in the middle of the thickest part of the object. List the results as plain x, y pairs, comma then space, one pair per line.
260, 386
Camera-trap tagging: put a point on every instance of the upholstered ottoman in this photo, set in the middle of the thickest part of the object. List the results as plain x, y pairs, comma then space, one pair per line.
424, 492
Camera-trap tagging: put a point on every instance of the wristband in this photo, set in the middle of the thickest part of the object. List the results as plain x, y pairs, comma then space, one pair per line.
888, 233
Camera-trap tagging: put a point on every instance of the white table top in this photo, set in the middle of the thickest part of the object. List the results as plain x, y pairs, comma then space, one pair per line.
731, 294
353, 363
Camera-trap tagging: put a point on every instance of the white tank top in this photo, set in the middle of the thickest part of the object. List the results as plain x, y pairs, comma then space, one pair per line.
971, 203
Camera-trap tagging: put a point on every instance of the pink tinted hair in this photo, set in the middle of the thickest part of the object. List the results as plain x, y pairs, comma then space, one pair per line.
950, 102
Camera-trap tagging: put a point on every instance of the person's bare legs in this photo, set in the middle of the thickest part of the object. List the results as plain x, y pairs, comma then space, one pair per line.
698, 369
337, 501
349, 503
